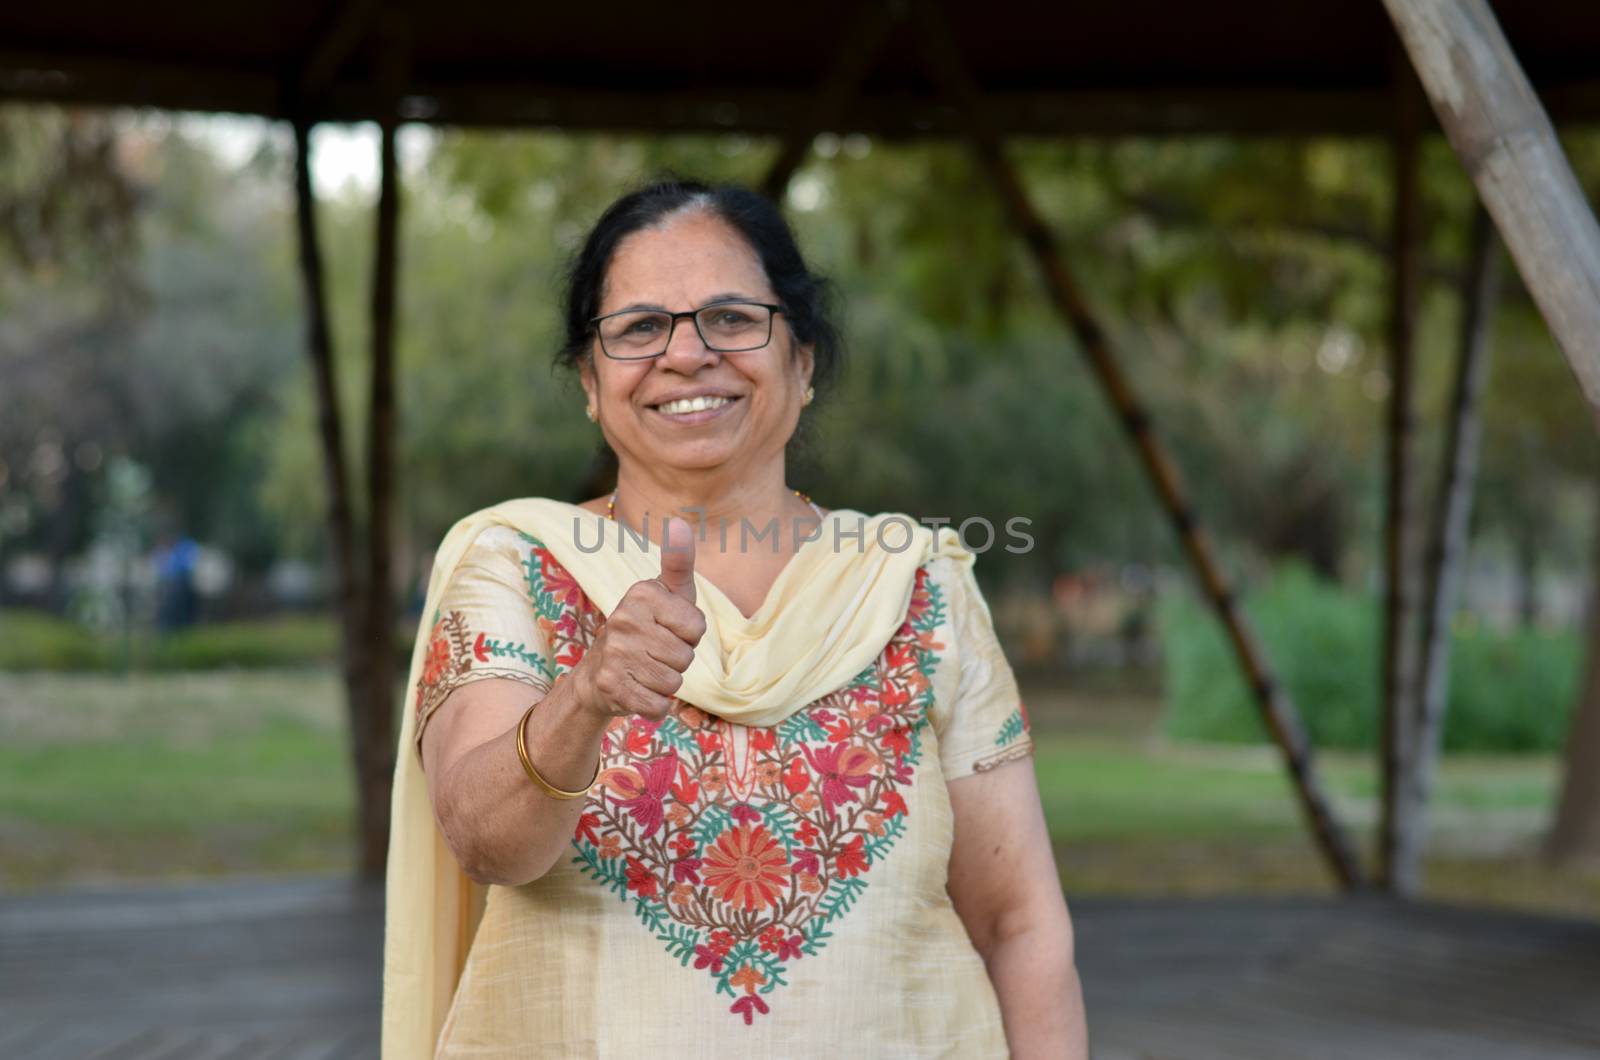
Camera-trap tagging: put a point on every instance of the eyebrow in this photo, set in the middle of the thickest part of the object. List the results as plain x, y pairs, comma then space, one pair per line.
721, 296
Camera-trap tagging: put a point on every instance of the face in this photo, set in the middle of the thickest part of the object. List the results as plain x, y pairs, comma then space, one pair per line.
691, 260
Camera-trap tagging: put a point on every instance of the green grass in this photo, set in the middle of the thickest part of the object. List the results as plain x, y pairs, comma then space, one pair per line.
162, 775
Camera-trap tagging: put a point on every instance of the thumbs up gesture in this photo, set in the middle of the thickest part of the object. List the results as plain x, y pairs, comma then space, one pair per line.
637, 661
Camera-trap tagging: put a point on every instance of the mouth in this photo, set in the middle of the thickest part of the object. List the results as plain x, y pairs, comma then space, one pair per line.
699, 409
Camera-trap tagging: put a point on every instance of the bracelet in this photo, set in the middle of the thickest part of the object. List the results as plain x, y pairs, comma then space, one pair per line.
533, 774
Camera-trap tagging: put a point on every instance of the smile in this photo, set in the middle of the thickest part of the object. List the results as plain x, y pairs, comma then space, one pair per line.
695, 409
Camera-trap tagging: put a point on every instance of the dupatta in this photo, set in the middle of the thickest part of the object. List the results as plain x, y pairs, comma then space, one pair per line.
833, 607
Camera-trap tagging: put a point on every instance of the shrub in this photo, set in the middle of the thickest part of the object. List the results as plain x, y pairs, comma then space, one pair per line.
1508, 691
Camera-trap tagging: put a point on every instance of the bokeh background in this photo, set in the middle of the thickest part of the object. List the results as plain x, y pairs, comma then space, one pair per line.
170, 701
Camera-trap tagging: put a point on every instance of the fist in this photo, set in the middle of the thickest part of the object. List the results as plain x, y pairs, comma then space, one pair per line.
637, 661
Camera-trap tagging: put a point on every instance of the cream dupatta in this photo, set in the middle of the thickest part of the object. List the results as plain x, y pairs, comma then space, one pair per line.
831, 610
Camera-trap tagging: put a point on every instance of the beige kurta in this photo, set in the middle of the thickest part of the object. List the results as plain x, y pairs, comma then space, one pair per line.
738, 890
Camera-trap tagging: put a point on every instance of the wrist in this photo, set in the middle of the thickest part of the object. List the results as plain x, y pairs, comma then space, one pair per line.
585, 700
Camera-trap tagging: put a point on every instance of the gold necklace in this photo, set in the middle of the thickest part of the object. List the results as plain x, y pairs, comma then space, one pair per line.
611, 505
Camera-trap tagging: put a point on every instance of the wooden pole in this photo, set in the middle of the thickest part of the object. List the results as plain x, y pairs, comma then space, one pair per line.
1509, 148
1447, 550
851, 63
330, 433
1401, 591
376, 737
1278, 712
1575, 832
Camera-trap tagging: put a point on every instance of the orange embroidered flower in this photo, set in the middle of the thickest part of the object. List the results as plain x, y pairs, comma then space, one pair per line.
610, 845
681, 894
766, 773
747, 977
809, 882
747, 867
713, 780
806, 801
693, 717
438, 655
678, 814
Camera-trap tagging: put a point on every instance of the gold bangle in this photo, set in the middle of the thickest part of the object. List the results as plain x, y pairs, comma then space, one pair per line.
533, 774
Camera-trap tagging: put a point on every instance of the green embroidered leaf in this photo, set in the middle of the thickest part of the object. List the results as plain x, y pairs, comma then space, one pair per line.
779, 820
680, 942
676, 735
1011, 729
520, 652
877, 846
801, 726
714, 820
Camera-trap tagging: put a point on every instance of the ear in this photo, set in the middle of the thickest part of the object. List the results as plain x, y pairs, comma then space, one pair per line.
586, 377
807, 357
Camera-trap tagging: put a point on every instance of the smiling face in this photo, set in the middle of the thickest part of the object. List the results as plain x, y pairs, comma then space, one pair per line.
749, 401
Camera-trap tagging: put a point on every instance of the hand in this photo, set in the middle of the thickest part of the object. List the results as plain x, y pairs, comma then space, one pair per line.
636, 663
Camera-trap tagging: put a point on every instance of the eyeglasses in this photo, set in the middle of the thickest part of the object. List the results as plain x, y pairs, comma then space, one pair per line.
727, 327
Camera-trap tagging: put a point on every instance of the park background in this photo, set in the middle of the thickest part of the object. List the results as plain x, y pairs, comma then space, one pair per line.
159, 431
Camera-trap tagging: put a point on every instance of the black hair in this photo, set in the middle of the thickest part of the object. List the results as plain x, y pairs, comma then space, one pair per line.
807, 297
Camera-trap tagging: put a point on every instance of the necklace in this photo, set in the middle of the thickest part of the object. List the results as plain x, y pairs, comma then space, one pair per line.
611, 505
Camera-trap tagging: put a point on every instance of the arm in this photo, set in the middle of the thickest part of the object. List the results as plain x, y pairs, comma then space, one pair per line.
1005, 887
499, 824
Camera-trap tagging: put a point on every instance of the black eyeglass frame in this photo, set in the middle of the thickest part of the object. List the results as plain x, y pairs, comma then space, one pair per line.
672, 327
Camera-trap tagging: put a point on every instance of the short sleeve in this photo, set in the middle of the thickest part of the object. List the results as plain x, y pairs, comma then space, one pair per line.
486, 623
987, 724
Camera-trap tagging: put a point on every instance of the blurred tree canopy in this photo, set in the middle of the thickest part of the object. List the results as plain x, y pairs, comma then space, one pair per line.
151, 308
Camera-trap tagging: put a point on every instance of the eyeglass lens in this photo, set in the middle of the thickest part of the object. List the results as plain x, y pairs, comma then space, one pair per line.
726, 328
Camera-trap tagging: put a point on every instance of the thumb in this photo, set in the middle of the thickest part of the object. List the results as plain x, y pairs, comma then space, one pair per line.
677, 558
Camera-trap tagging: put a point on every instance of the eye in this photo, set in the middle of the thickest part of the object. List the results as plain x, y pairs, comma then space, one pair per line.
640, 327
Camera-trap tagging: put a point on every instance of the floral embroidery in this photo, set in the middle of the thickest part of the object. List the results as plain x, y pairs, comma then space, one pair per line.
740, 847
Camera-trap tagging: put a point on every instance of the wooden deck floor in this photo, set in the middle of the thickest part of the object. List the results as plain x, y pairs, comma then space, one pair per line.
288, 970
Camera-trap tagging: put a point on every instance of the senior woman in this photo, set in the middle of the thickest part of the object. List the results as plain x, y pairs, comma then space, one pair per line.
699, 767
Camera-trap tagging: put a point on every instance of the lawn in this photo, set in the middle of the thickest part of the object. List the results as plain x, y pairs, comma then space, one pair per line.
184, 774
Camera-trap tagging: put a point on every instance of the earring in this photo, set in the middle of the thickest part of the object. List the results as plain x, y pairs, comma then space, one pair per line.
810, 393
589, 412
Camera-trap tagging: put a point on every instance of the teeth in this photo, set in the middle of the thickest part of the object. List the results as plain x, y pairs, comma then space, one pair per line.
694, 404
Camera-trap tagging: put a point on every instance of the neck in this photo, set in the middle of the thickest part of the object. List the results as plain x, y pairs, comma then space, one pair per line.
646, 500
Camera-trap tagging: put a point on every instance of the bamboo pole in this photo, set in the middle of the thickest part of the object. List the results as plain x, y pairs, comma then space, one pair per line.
1278, 712
1505, 140
330, 433
1401, 591
850, 65
1447, 549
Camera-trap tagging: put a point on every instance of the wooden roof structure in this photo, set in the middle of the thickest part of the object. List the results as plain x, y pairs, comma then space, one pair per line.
919, 69
1136, 66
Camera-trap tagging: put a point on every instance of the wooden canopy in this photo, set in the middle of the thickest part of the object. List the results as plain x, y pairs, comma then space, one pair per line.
1134, 66
919, 69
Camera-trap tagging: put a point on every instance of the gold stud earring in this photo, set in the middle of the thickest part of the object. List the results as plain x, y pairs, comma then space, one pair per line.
589, 412
810, 393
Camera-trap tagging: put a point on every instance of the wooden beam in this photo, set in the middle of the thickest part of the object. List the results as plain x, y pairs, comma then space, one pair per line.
333, 46
1401, 588
66, 76
330, 433
1505, 140
850, 65
1480, 296
945, 63
375, 739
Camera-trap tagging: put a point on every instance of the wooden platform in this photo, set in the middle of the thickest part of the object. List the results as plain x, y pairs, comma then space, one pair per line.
288, 970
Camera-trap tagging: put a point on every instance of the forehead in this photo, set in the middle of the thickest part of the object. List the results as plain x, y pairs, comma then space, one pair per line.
679, 264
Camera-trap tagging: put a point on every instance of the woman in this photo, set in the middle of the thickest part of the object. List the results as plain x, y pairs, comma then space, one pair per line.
700, 768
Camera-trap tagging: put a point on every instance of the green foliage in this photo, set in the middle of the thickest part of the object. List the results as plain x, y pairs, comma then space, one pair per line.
32, 641
1508, 691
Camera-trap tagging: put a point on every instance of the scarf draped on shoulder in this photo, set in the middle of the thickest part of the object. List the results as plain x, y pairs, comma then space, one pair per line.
833, 607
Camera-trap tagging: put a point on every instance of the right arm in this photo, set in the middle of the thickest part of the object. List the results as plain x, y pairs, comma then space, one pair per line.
501, 826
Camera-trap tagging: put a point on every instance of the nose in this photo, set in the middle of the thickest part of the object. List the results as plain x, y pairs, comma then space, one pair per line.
686, 352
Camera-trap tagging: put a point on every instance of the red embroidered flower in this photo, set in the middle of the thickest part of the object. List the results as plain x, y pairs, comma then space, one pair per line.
640, 879
744, 814
682, 844
748, 1005
840, 768
557, 582
480, 648
585, 829
747, 867
797, 779
892, 803
706, 958
897, 740
852, 860
640, 789
686, 870
763, 739
721, 942
805, 862
807, 833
